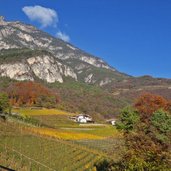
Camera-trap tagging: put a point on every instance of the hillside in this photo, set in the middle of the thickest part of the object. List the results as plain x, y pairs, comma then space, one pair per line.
73, 97
131, 88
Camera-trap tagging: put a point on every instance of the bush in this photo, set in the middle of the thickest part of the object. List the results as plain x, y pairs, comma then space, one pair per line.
4, 102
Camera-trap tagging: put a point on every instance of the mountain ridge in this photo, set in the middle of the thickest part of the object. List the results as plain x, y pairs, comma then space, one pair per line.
16, 35
24, 43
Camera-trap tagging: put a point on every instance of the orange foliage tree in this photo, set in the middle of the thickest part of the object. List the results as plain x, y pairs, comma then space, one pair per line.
31, 94
148, 103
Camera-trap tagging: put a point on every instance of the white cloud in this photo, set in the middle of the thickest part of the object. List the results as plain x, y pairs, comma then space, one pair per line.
45, 16
63, 36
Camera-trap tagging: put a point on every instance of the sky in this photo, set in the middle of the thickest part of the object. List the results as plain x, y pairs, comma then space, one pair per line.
132, 36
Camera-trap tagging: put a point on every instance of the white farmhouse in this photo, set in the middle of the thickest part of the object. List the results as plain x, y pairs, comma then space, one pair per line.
82, 118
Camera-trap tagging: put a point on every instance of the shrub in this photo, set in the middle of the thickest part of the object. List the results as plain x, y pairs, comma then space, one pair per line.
4, 102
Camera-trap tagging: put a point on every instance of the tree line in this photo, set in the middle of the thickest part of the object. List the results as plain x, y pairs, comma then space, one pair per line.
27, 94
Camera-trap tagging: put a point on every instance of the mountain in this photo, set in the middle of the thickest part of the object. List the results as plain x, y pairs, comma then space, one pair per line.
89, 84
40, 55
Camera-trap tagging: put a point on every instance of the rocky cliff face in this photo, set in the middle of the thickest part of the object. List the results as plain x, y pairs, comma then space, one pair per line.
75, 63
42, 66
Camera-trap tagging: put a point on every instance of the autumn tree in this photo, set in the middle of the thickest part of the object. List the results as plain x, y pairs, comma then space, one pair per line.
148, 142
148, 103
31, 94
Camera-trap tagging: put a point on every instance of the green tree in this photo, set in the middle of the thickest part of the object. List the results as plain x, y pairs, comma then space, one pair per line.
128, 118
4, 102
161, 126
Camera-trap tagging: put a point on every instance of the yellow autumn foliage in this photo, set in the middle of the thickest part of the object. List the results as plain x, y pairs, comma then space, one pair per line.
44, 111
60, 134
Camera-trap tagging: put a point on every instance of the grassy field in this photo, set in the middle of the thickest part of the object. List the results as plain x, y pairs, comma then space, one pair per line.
56, 121
103, 131
62, 134
34, 112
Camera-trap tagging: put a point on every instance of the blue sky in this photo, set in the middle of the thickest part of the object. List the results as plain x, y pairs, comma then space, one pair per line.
134, 36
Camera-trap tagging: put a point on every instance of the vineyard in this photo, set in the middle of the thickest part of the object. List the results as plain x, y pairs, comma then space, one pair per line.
21, 150
60, 145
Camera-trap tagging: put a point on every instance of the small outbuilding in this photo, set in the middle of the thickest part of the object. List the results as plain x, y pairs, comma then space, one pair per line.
111, 121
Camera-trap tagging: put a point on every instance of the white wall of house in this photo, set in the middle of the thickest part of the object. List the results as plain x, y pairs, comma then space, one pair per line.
113, 122
83, 120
